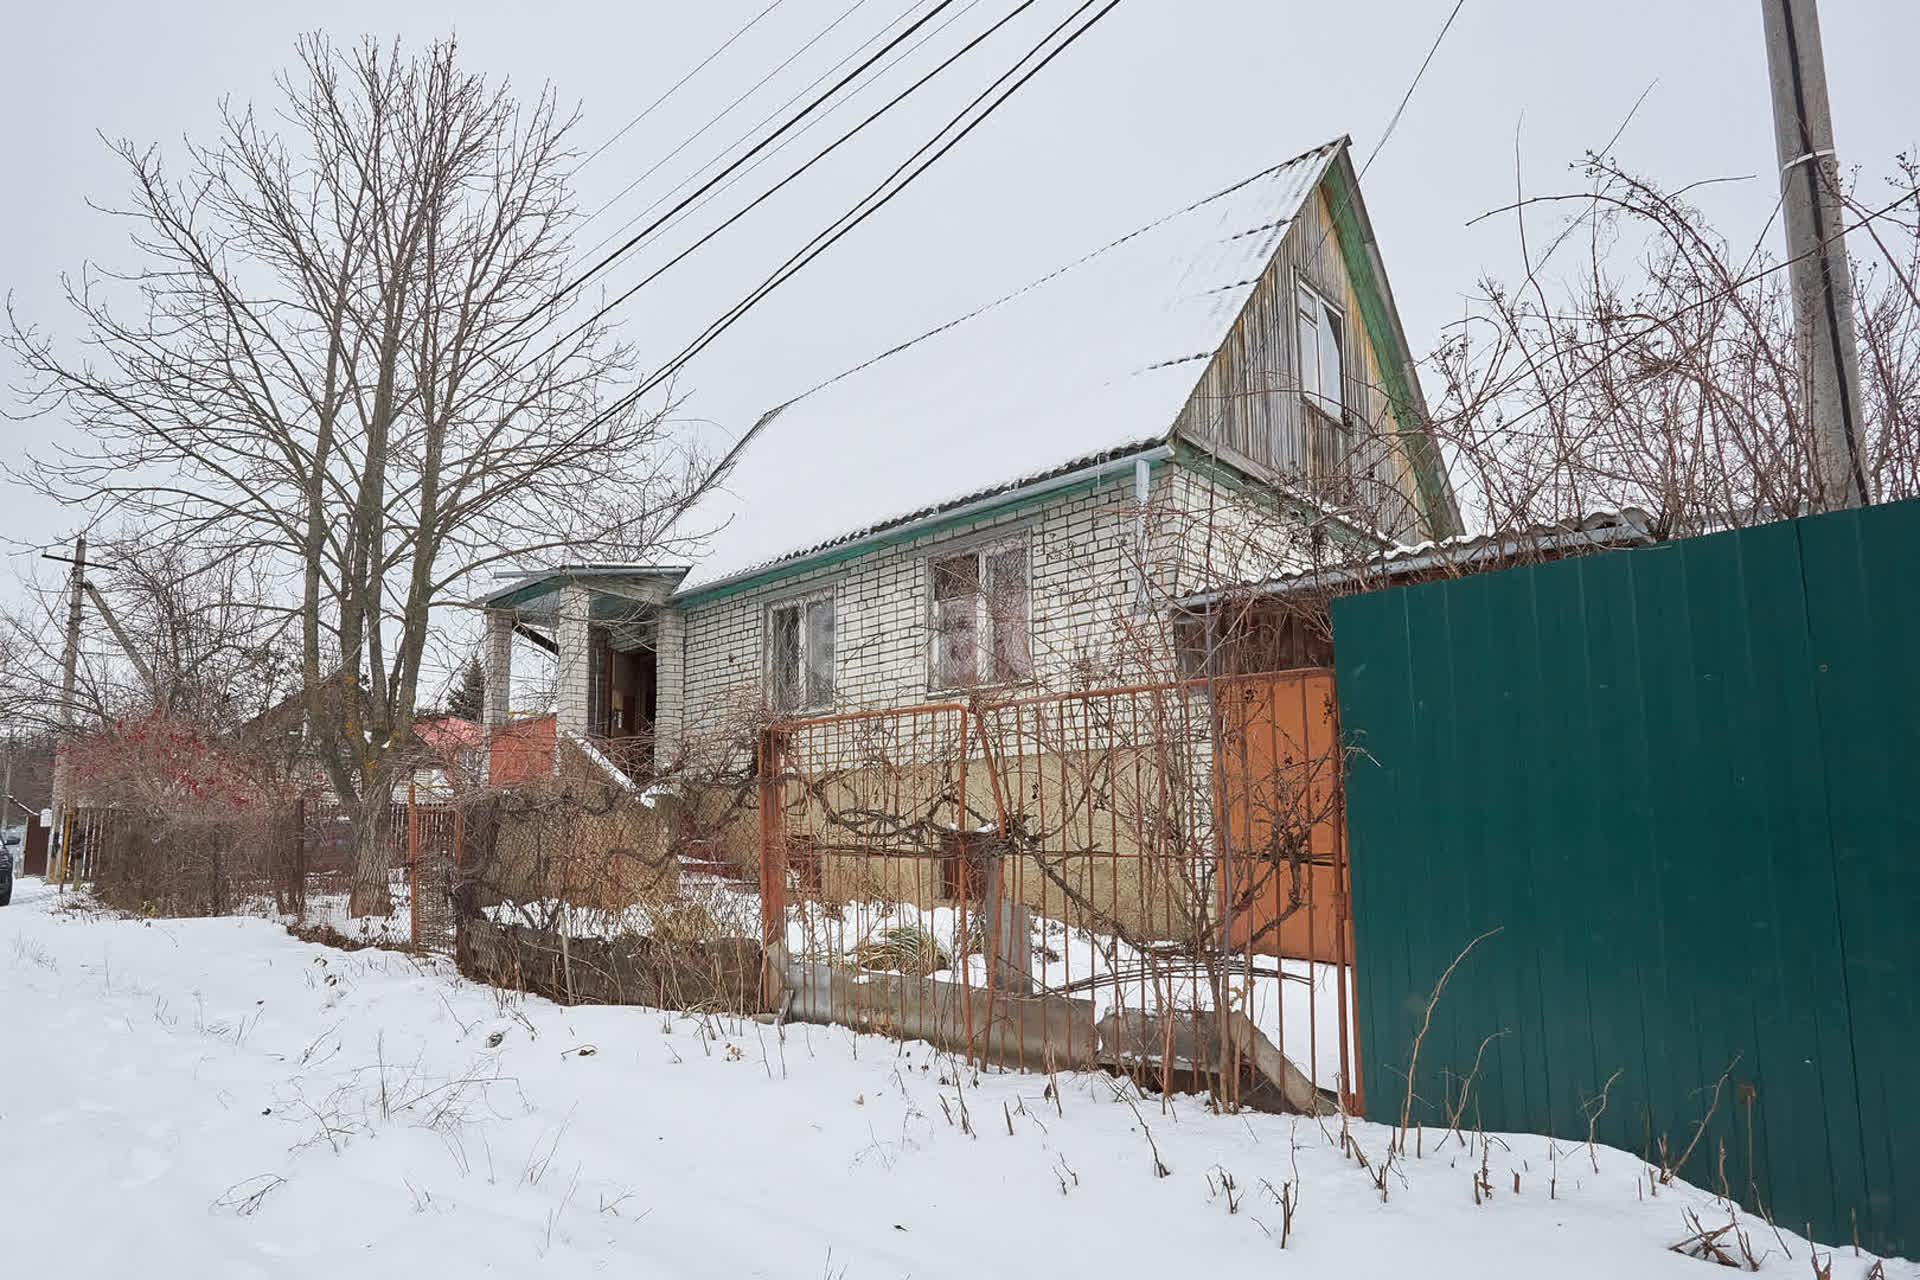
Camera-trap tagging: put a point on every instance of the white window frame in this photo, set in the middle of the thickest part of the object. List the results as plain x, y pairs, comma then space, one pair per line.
1312, 393
985, 642
805, 701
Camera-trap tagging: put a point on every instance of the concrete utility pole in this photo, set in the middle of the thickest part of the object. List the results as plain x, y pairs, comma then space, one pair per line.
1816, 247
139, 663
70, 663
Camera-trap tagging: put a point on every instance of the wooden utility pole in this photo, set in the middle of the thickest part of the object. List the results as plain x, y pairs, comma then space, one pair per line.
1817, 252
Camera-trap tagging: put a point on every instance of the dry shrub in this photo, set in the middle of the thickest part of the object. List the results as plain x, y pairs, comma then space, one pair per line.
574, 842
684, 920
692, 950
910, 949
173, 821
1646, 359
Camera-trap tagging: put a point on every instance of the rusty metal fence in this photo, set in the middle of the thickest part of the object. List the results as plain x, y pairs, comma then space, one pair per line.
433, 851
1148, 879
423, 846
295, 862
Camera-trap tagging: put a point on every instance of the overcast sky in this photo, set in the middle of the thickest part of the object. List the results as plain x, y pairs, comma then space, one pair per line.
1165, 101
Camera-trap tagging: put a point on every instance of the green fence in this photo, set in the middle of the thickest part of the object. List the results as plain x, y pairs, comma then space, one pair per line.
1683, 782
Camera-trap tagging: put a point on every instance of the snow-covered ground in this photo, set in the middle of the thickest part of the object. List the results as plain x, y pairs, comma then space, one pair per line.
327, 906
212, 1098
329, 910
1301, 1014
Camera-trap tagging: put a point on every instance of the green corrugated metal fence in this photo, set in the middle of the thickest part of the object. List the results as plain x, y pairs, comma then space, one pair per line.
1683, 782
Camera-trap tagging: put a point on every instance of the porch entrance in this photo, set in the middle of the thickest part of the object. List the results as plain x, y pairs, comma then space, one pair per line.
620, 714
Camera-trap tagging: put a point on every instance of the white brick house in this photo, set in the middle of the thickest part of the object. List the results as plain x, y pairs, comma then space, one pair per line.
1013, 500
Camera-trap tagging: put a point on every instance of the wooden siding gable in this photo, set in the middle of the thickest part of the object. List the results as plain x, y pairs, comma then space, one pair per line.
1247, 407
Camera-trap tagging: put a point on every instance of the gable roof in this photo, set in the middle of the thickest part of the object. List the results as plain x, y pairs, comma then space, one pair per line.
1095, 360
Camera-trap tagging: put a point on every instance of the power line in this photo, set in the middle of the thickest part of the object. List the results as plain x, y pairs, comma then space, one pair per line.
562, 291
1061, 270
806, 111
1418, 405
904, 56
820, 156
1407, 97
676, 85
841, 227
862, 209
1393, 123
722, 114
880, 196
757, 125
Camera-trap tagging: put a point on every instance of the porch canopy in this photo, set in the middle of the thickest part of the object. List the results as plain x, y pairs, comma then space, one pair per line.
623, 596
601, 623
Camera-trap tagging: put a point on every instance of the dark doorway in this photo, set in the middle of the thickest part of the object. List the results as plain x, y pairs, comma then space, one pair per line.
627, 683
34, 861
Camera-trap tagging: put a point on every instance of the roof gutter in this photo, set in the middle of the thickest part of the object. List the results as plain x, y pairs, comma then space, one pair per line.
1125, 463
1571, 540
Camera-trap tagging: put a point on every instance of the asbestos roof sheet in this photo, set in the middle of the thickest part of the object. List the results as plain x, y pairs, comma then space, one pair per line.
1095, 358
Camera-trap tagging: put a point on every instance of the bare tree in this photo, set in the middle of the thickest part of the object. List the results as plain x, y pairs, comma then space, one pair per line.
1646, 361
347, 348
165, 629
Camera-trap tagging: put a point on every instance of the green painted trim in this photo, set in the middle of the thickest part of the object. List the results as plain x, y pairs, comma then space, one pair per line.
582, 576
1198, 460
532, 591
1430, 475
826, 558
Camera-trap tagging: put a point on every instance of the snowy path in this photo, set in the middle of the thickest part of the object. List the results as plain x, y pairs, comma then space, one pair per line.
153, 1075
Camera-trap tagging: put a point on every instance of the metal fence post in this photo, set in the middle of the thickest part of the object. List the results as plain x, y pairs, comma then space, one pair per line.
773, 862
413, 866
298, 895
963, 841
1009, 931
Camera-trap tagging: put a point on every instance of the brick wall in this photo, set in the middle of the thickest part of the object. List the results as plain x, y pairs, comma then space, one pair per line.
1087, 626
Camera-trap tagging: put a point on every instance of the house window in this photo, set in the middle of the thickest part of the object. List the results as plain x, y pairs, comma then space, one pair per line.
800, 654
1322, 339
982, 616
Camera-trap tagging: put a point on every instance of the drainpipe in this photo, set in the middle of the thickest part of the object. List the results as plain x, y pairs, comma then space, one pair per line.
1142, 488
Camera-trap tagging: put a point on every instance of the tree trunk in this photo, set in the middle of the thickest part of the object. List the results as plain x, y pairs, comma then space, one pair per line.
372, 894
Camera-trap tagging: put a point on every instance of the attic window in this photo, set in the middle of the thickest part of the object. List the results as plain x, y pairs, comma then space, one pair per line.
800, 654
1322, 343
982, 618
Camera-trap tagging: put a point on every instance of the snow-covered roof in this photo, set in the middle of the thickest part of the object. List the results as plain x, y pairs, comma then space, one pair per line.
1091, 360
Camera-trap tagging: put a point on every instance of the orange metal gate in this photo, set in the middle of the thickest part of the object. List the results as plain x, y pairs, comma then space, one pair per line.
1284, 882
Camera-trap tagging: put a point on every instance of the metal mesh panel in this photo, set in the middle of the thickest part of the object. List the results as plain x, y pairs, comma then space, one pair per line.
1147, 879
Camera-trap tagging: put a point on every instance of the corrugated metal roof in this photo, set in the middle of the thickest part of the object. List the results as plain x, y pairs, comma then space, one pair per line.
1467, 553
1070, 471
1096, 358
